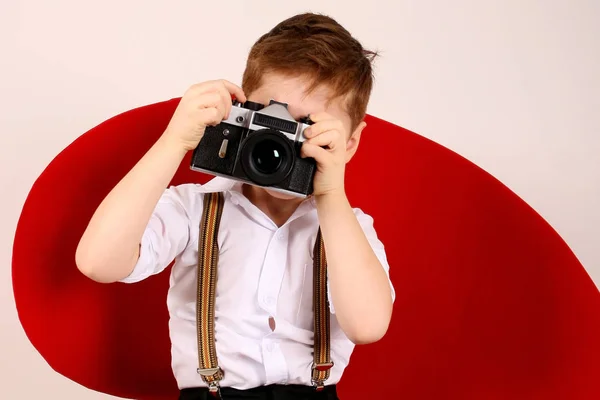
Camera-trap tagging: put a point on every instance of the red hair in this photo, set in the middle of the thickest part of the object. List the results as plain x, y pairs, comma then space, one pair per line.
318, 47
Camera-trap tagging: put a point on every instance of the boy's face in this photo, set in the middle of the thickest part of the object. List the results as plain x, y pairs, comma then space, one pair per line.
292, 91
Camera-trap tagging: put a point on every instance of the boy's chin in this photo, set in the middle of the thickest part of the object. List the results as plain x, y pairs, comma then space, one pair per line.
281, 196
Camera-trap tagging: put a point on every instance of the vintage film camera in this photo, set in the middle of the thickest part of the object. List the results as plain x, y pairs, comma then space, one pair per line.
259, 145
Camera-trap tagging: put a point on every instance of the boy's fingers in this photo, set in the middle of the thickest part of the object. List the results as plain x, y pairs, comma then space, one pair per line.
328, 139
314, 151
219, 85
211, 116
225, 99
320, 116
323, 126
235, 90
211, 100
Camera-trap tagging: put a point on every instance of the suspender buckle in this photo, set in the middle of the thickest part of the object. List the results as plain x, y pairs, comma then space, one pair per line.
207, 372
215, 390
213, 384
322, 367
318, 380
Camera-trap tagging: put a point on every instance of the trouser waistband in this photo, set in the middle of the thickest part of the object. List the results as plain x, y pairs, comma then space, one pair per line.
270, 392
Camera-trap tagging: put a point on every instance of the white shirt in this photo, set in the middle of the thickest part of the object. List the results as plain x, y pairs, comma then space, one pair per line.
264, 272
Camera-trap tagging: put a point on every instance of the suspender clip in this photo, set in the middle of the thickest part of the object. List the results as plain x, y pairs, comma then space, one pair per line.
322, 367
318, 379
215, 390
208, 371
213, 384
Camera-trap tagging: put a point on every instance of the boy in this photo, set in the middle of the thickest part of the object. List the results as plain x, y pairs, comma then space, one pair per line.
264, 297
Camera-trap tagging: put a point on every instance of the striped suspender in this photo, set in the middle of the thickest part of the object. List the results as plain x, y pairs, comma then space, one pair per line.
321, 353
208, 257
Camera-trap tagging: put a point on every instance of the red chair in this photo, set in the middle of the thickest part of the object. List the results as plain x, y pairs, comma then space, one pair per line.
491, 303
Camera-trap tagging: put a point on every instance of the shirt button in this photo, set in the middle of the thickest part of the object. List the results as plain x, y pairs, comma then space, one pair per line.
280, 236
269, 300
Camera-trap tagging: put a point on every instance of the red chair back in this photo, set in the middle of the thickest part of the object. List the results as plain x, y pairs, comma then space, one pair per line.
491, 303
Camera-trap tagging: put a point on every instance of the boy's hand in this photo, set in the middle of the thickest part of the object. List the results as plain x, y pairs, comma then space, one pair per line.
326, 143
204, 104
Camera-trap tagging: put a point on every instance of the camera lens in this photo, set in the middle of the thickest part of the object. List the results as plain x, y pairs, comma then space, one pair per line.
267, 156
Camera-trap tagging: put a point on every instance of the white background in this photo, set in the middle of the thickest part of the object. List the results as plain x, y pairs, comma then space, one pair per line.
512, 85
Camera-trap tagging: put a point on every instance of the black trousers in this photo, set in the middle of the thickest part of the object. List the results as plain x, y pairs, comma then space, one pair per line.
271, 392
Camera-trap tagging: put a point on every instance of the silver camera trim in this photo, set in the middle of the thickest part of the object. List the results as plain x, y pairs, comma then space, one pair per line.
275, 110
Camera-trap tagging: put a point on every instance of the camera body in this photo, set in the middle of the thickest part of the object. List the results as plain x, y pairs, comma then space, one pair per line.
259, 145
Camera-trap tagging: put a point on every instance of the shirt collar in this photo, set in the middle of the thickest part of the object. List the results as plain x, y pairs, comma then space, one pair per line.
234, 189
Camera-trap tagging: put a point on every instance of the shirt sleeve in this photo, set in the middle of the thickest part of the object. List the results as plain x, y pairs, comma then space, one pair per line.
166, 236
366, 222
